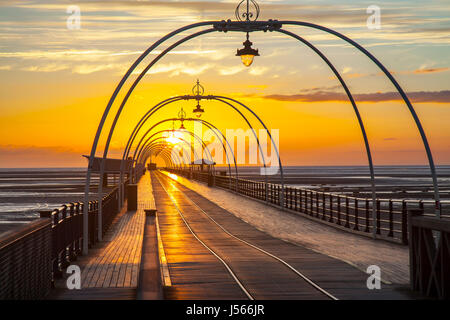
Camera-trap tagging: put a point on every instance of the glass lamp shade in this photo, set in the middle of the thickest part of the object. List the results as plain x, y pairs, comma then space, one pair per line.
198, 111
247, 53
247, 59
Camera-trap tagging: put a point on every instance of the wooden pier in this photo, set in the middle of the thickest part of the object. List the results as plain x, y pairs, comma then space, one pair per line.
194, 249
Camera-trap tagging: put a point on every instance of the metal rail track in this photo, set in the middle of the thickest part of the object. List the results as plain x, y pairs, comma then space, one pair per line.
305, 278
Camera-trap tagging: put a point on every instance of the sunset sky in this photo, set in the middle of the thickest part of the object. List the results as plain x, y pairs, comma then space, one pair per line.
55, 82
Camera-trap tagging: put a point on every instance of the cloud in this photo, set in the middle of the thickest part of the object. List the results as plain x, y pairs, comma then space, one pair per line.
50, 67
320, 96
430, 70
179, 68
87, 69
231, 70
257, 71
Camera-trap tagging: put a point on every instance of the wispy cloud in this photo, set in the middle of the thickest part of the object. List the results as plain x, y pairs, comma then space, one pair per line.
321, 96
228, 71
430, 70
180, 68
257, 71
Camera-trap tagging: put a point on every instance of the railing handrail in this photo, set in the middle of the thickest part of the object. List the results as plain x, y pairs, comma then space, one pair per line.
12, 236
353, 213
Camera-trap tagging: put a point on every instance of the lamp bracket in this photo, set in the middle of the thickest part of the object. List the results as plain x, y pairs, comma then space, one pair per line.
247, 26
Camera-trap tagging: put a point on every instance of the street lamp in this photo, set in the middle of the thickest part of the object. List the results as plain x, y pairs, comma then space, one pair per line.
249, 14
182, 116
198, 90
247, 53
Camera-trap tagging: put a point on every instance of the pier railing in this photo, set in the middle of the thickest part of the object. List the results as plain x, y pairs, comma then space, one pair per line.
429, 255
349, 213
33, 256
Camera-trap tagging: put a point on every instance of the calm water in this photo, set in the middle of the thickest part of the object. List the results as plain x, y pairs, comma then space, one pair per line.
23, 192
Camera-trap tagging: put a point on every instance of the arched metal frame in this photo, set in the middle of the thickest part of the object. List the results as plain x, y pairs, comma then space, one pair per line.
209, 97
213, 129
162, 150
239, 26
138, 156
164, 103
181, 140
159, 152
165, 146
221, 99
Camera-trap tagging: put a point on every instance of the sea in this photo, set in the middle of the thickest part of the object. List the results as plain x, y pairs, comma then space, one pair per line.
25, 192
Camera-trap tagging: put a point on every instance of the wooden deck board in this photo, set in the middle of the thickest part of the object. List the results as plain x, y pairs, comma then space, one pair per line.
111, 270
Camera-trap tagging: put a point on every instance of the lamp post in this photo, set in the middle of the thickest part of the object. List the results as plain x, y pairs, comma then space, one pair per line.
198, 90
247, 53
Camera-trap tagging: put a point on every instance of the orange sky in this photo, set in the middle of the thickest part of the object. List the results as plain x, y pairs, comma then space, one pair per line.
55, 85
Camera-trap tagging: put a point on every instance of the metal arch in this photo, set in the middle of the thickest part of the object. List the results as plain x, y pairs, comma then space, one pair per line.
186, 97
105, 115
141, 122
85, 221
167, 153
169, 130
156, 150
155, 108
138, 157
271, 139
180, 162
141, 75
152, 111
132, 137
181, 139
358, 116
138, 79
163, 156
131, 90
399, 89
211, 126
158, 147
159, 144
149, 150
161, 150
